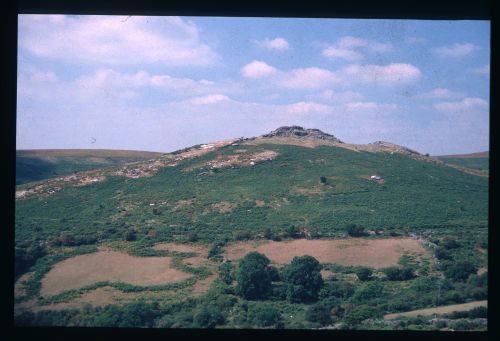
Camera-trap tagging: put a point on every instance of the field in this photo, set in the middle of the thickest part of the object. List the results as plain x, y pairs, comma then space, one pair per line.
478, 161
375, 253
83, 270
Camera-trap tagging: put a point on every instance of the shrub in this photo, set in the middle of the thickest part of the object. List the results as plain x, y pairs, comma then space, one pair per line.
337, 289
25, 257
398, 274
369, 291
67, 239
460, 271
156, 211
208, 316
215, 252
130, 236
364, 274
319, 313
294, 232
450, 243
193, 237
253, 276
226, 272
323, 180
360, 313
274, 274
242, 235
442, 254
355, 230
303, 279
263, 315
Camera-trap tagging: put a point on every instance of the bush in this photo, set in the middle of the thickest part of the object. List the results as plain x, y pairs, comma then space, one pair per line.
130, 236
398, 274
369, 291
460, 271
193, 237
25, 257
67, 239
263, 315
215, 252
319, 313
450, 243
226, 272
442, 254
294, 232
323, 180
303, 279
253, 276
208, 316
337, 289
242, 235
356, 230
360, 313
364, 274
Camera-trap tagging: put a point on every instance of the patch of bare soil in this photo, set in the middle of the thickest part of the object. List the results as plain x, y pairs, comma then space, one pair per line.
260, 203
82, 270
313, 190
242, 159
291, 141
182, 203
376, 253
203, 285
224, 207
481, 271
326, 274
439, 310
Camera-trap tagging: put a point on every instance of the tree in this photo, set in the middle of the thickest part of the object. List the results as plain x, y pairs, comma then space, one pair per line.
303, 279
253, 276
193, 237
364, 274
460, 271
355, 230
323, 180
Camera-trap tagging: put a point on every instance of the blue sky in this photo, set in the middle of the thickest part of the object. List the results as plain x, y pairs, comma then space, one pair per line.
164, 83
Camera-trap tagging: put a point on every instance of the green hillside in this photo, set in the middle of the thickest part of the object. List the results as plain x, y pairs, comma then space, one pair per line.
34, 165
320, 190
476, 161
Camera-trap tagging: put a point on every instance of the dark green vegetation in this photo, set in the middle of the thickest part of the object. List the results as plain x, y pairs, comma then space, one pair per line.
318, 192
34, 165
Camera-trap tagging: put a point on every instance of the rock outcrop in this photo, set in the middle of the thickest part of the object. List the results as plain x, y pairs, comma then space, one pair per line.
301, 133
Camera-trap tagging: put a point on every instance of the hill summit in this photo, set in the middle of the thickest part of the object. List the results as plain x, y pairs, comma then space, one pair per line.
301, 133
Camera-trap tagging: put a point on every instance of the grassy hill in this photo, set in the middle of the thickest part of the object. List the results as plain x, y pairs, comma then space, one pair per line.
246, 190
478, 161
39, 164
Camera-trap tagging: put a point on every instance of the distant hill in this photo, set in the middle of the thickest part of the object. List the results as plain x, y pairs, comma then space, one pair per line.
479, 161
39, 164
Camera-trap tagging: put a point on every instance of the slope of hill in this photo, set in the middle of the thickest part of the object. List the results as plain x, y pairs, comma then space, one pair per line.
197, 204
39, 164
479, 161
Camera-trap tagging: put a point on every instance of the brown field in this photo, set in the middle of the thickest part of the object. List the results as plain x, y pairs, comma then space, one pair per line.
203, 285
376, 253
439, 310
82, 270
19, 289
224, 207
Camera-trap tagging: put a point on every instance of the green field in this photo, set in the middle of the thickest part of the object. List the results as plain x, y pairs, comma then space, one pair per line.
322, 190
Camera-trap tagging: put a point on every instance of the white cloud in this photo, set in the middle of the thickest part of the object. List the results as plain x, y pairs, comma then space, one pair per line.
382, 74
309, 78
482, 71
371, 107
114, 40
467, 105
441, 93
350, 41
257, 69
336, 52
348, 48
47, 76
279, 44
209, 99
307, 108
337, 96
456, 50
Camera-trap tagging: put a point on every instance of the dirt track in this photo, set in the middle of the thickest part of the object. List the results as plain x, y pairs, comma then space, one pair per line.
439, 310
